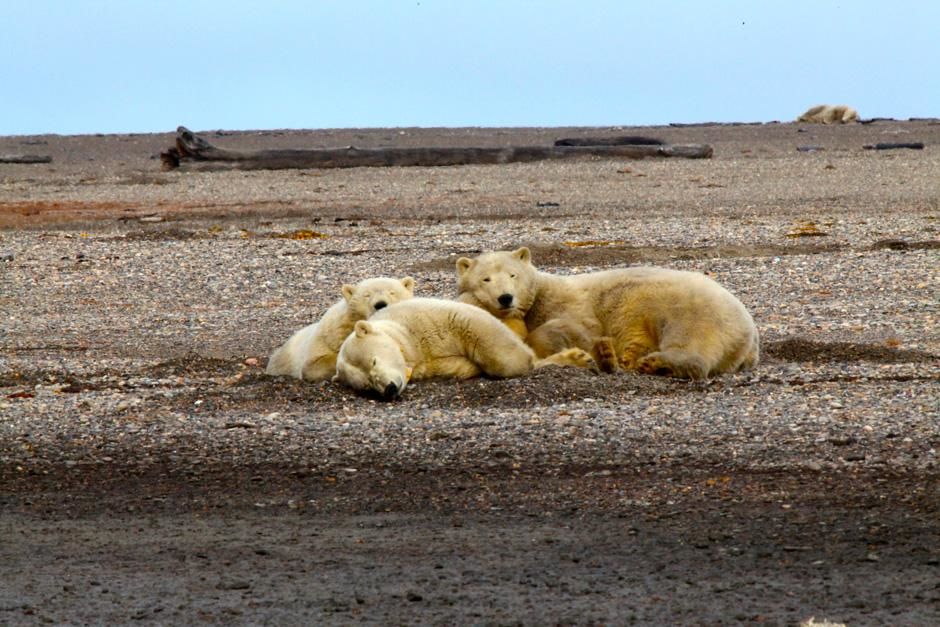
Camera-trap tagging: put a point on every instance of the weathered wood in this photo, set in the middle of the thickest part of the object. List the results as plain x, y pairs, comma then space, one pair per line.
195, 151
25, 159
619, 140
685, 151
893, 145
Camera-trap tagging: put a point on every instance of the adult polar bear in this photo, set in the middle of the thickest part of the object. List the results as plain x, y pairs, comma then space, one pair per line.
829, 114
423, 338
310, 353
659, 321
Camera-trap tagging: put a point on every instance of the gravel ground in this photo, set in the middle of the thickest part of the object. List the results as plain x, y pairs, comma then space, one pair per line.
150, 472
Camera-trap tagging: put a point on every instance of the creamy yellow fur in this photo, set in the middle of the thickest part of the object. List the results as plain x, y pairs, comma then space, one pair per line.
829, 114
427, 337
660, 321
310, 353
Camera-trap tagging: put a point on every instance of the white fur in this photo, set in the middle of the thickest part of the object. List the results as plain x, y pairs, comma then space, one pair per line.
310, 353
829, 114
655, 320
429, 337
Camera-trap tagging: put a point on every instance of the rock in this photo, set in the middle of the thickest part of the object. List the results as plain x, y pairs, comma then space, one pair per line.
234, 584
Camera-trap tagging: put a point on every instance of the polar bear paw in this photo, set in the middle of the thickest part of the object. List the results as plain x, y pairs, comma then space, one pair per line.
680, 364
570, 357
605, 355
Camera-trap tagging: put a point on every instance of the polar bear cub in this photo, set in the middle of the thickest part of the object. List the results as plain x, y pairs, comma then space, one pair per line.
656, 320
829, 114
423, 338
310, 353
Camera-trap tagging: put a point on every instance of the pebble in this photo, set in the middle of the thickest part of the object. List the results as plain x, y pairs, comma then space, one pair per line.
235, 584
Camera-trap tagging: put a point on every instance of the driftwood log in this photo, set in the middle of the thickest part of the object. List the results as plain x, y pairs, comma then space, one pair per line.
198, 153
25, 159
620, 140
894, 145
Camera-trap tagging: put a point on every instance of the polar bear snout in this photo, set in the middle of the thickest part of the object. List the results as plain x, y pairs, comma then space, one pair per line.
505, 300
388, 386
391, 391
380, 305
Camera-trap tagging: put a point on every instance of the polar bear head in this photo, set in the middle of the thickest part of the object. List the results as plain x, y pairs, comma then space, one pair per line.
371, 360
366, 297
501, 282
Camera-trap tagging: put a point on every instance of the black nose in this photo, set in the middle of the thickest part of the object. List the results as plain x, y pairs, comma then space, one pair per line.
380, 305
391, 391
505, 300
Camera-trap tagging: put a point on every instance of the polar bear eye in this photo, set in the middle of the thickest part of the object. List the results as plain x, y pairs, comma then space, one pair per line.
512, 276
375, 360
486, 280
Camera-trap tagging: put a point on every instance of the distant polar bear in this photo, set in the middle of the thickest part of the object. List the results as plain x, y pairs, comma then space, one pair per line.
423, 338
656, 320
829, 114
310, 353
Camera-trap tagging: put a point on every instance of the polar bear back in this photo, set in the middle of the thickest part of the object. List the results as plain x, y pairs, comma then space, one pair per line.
666, 296
437, 328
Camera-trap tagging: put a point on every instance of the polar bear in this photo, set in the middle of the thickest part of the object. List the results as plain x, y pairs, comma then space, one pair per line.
658, 321
311, 352
423, 338
829, 114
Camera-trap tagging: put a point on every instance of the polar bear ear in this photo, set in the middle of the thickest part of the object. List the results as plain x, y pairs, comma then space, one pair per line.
363, 328
463, 264
522, 254
348, 291
409, 284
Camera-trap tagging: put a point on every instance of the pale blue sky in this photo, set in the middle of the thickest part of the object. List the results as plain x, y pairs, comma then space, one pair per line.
83, 66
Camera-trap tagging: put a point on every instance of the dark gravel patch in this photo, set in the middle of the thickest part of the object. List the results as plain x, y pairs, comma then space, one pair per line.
801, 350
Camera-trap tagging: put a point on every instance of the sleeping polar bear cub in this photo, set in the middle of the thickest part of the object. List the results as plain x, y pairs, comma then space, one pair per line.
311, 352
652, 320
423, 338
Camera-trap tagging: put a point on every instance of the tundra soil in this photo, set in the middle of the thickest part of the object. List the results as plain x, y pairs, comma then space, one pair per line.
150, 473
